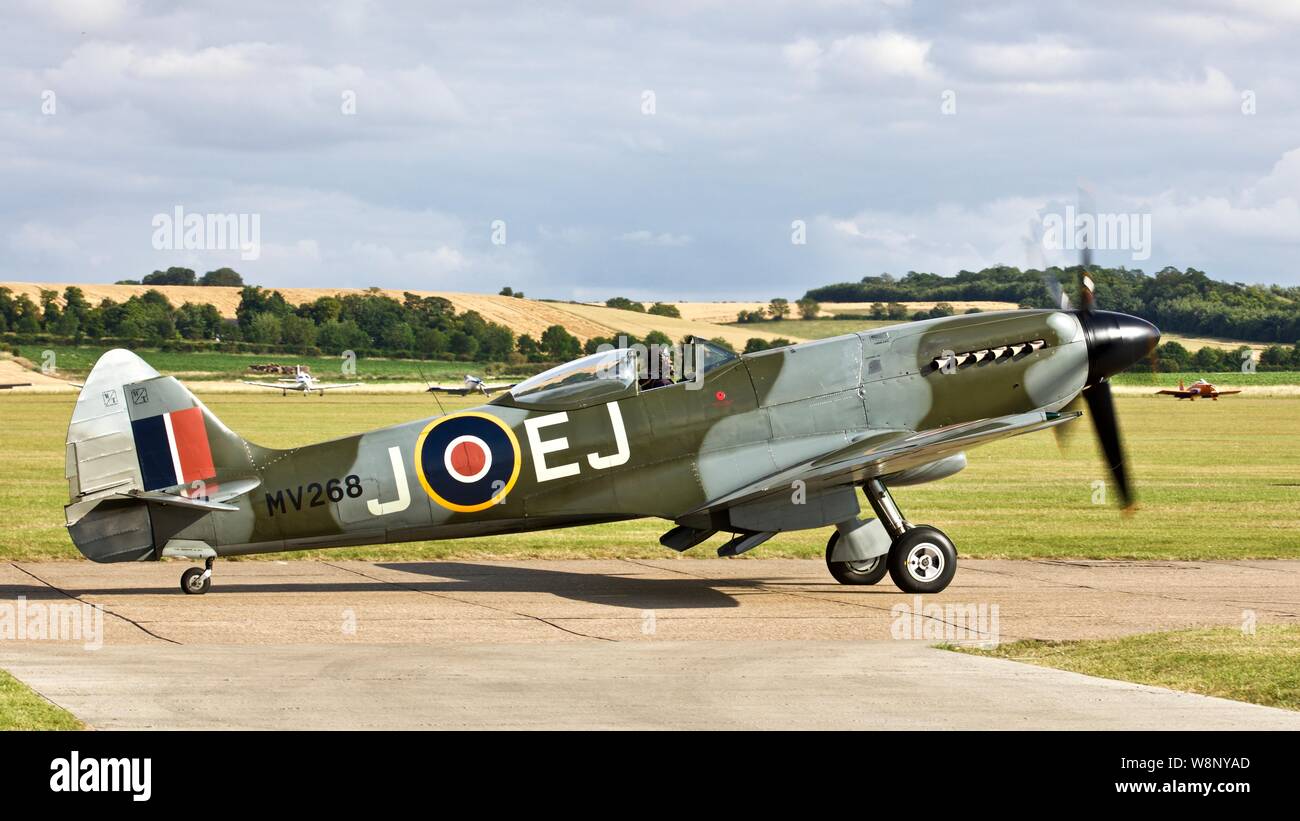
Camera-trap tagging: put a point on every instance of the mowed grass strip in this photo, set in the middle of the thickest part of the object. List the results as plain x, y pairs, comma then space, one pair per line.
1216, 480
1232, 379
77, 360
22, 708
1261, 667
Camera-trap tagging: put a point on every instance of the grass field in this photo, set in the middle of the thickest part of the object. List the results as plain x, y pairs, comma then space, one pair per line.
1229, 471
75, 361
1231, 379
21, 708
1263, 667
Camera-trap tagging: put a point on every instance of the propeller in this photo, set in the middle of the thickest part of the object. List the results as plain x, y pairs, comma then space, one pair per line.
1101, 407
1115, 341
1087, 288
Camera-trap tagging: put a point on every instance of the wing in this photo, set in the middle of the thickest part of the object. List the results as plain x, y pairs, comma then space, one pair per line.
1226, 393
882, 452
490, 389
1174, 393
456, 391
274, 386
334, 387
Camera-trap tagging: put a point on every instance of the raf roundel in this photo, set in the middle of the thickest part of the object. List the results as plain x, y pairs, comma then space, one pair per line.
467, 461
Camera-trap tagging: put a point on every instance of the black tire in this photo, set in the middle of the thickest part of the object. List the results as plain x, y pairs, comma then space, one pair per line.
868, 571
190, 582
922, 560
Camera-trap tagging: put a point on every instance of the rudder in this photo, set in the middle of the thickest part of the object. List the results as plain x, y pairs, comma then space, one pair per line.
138, 439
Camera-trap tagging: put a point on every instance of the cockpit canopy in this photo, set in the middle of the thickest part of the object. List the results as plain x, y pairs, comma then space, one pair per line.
611, 374
699, 356
598, 377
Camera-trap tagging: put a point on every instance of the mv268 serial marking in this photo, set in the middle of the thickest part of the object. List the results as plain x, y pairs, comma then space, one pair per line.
313, 494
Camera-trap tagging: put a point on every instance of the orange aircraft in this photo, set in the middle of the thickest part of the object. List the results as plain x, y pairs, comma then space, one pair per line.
1199, 388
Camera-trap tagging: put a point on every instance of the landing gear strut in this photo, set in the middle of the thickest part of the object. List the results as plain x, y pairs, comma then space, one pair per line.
921, 558
198, 580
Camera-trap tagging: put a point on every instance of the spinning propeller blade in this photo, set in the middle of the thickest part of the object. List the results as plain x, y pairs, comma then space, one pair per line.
1115, 342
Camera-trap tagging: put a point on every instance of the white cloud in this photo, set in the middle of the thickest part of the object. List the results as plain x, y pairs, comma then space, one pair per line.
251, 94
947, 238
1201, 28
1036, 58
534, 116
33, 237
303, 250
84, 14
1209, 91
665, 239
861, 58
803, 54
1187, 229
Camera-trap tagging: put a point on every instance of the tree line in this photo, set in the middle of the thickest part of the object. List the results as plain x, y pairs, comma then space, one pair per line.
369, 323
1187, 302
372, 323
225, 277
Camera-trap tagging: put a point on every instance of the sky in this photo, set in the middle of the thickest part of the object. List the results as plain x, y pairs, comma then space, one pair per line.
659, 150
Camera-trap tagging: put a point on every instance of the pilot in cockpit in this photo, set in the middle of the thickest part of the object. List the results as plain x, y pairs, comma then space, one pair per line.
659, 370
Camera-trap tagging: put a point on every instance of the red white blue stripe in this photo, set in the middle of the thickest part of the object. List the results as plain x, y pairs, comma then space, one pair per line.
173, 449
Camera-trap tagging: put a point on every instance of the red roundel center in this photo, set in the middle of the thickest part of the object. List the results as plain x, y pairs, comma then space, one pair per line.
467, 458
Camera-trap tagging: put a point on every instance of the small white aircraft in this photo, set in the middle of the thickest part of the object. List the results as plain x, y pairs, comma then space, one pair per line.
302, 382
472, 384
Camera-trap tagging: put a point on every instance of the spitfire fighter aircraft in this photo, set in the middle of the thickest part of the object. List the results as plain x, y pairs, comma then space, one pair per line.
750, 446
472, 384
1199, 388
302, 381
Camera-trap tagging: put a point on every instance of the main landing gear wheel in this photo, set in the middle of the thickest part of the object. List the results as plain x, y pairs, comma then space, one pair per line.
866, 571
197, 580
922, 560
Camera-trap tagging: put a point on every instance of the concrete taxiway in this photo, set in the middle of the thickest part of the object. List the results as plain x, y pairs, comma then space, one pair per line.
622, 643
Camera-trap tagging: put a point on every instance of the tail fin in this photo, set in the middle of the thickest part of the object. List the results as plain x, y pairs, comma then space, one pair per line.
138, 439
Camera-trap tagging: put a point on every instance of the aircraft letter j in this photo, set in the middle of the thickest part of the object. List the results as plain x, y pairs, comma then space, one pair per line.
622, 452
403, 500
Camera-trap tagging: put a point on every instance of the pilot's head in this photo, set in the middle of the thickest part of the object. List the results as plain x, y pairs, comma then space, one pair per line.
665, 364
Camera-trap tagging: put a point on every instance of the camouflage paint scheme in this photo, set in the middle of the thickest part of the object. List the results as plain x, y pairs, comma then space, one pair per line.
771, 414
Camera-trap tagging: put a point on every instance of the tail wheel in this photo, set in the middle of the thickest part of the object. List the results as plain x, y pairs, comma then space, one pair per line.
194, 583
866, 571
922, 560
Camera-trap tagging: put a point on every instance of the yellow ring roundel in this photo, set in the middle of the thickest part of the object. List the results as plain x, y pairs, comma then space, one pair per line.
467, 461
